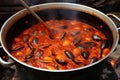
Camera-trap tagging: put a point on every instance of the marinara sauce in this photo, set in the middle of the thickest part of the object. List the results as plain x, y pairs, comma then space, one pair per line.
67, 44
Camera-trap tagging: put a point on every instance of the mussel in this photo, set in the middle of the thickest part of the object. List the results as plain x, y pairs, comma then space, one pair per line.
63, 27
18, 48
86, 45
69, 55
94, 59
96, 38
85, 54
61, 61
63, 35
35, 40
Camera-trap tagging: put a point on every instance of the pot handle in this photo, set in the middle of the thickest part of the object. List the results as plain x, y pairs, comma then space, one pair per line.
6, 63
114, 16
114, 59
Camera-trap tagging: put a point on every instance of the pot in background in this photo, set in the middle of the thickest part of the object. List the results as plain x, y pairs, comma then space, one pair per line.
23, 20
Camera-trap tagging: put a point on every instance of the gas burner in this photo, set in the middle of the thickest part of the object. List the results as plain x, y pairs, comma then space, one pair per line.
115, 61
108, 72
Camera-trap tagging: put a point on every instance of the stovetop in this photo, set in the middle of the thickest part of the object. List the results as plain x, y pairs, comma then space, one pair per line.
108, 71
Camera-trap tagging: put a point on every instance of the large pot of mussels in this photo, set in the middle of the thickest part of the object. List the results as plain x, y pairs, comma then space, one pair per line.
79, 37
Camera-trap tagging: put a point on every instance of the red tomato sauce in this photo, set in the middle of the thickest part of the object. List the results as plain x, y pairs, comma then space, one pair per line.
67, 44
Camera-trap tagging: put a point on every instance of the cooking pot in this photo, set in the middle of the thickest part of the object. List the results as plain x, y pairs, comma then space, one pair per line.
23, 20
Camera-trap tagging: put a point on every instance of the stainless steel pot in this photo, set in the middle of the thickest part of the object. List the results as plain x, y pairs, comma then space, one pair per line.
69, 11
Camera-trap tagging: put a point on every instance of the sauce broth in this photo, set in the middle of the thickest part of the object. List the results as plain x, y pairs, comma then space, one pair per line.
68, 44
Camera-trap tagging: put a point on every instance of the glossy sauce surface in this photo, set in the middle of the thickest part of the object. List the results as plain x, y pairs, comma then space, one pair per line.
68, 44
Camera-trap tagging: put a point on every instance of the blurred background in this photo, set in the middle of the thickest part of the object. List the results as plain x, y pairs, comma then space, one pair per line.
9, 7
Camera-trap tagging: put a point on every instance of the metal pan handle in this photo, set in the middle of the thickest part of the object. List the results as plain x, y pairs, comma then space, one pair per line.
114, 16
5, 63
113, 58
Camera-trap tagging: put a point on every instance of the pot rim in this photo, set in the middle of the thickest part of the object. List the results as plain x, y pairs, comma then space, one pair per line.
62, 5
